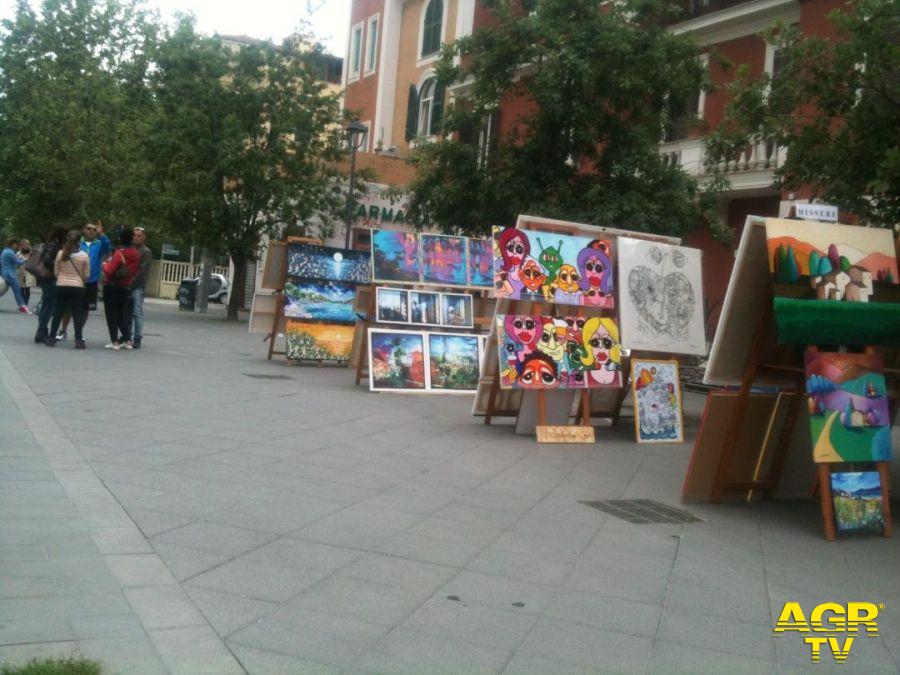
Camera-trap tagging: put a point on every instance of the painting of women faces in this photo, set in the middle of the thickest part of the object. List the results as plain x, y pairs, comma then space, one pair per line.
543, 352
549, 267
329, 264
657, 401
395, 256
443, 260
661, 303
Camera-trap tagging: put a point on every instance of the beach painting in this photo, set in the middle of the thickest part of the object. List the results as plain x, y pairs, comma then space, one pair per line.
396, 360
318, 341
320, 300
331, 264
395, 256
453, 361
857, 500
443, 260
657, 401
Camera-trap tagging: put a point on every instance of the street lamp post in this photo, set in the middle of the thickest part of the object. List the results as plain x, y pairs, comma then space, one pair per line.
355, 134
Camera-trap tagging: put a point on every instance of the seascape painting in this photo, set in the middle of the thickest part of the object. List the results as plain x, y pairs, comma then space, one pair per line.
395, 256
320, 300
453, 361
331, 264
443, 260
657, 401
857, 500
396, 360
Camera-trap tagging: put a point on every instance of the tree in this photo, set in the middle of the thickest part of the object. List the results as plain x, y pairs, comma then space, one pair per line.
834, 105
72, 92
244, 142
597, 86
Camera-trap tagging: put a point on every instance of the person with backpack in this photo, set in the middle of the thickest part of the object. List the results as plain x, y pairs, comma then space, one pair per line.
119, 272
71, 268
9, 270
43, 271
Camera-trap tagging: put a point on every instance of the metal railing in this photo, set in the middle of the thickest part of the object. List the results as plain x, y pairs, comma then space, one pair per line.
691, 9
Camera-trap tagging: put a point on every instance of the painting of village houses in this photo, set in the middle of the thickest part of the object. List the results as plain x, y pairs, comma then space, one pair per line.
839, 262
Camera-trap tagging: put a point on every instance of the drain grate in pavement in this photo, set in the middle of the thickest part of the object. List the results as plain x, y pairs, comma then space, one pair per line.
642, 511
266, 376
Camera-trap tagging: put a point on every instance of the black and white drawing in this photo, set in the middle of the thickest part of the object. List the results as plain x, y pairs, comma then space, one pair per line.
661, 299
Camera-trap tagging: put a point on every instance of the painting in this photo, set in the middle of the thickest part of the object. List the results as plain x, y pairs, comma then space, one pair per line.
392, 305
661, 303
549, 267
443, 260
839, 262
320, 300
424, 308
453, 361
319, 341
456, 310
481, 263
848, 407
396, 360
857, 500
330, 264
543, 352
657, 401
395, 256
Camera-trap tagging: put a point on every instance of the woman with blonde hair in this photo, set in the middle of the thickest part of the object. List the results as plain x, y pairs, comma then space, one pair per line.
600, 352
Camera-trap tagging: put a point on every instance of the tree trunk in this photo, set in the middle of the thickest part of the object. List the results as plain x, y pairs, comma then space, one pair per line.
205, 278
235, 300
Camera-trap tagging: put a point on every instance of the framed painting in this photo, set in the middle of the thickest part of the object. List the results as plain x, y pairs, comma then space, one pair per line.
453, 362
330, 264
661, 297
444, 260
318, 341
481, 263
456, 310
839, 262
424, 308
847, 401
550, 267
396, 360
315, 300
543, 352
392, 305
656, 390
857, 500
395, 256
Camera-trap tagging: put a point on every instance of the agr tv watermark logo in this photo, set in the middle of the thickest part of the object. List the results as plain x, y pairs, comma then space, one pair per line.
828, 624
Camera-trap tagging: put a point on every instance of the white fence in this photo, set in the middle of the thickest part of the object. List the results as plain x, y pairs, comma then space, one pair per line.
166, 275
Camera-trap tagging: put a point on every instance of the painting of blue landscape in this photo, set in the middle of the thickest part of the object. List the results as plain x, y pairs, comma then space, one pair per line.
323, 262
330, 301
857, 500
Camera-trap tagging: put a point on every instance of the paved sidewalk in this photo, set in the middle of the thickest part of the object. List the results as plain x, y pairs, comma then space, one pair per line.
193, 508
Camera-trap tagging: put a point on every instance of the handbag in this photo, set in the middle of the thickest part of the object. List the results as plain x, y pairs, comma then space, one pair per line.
122, 271
35, 264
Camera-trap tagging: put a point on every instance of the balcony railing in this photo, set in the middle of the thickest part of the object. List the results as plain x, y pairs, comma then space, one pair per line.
691, 9
752, 163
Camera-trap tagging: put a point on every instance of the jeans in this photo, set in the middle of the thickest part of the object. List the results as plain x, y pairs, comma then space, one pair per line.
137, 300
117, 307
69, 299
10, 278
48, 305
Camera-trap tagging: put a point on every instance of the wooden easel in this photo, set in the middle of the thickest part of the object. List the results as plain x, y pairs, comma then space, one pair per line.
279, 319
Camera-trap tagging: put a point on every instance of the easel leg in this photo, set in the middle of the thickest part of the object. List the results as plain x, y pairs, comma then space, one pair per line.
784, 442
827, 502
885, 498
586, 408
489, 411
542, 408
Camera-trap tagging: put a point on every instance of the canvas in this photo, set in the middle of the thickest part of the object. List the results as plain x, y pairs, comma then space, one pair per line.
857, 500
395, 256
549, 267
443, 260
392, 305
543, 352
848, 407
453, 361
318, 341
320, 300
424, 307
331, 264
481, 263
396, 360
456, 310
661, 297
839, 262
657, 401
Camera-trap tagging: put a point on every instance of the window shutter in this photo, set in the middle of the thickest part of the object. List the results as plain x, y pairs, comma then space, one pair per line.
412, 112
437, 109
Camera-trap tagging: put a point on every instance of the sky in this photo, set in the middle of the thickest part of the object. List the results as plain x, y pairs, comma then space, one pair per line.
274, 19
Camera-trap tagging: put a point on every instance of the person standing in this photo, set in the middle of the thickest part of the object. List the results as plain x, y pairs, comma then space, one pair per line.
139, 285
72, 267
96, 244
9, 270
26, 279
54, 242
119, 272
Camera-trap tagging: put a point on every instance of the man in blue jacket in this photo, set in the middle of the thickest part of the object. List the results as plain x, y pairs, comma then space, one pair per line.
9, 265
96, 245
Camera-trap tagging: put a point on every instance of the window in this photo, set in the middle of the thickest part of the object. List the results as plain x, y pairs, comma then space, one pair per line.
426, 101
356, 51
372, 45
431, 28
682, 109
424, 109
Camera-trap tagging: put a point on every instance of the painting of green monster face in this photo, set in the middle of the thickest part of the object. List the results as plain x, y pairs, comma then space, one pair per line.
551, 259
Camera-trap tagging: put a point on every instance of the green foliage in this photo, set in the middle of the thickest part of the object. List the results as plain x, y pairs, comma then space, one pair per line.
595, 86
835, 107
65, 666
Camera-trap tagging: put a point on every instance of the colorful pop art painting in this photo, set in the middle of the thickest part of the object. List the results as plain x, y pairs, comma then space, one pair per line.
396, 360
550, 267
857, 500
453, 361
481, 263
320, 300
395, 256
443, 260
839, 262
330, 264
657, 401
543, 352
847, 400
318, 341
